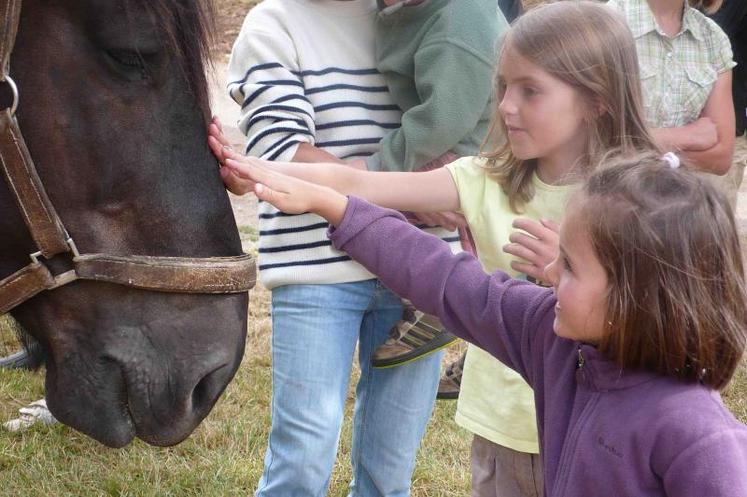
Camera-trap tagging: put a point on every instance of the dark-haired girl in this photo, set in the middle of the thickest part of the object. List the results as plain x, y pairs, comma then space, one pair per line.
645, 322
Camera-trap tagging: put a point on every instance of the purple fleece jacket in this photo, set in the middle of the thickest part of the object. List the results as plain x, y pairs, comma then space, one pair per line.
603, 431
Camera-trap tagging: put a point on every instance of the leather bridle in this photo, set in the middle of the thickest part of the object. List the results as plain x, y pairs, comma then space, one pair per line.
210, 275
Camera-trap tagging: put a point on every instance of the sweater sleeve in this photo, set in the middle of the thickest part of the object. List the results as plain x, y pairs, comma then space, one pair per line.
453, 100
496, 313
715, 465
264, 78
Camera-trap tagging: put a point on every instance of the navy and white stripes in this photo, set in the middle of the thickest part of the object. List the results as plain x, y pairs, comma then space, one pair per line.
337, 109
304, 72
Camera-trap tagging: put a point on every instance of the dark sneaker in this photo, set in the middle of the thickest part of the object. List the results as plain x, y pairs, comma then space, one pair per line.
451, 380
416, 336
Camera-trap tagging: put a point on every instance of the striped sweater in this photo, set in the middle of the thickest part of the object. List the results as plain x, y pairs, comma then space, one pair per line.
304, 71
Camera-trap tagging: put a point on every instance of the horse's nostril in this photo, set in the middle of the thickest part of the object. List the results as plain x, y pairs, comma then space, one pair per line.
208, 388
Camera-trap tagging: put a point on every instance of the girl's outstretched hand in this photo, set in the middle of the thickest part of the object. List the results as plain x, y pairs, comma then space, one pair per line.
537, 244
234, 183
288, 194
218, 142
222, 151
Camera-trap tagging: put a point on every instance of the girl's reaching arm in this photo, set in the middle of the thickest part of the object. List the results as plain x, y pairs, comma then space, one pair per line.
429, 191
500, 315
342, 180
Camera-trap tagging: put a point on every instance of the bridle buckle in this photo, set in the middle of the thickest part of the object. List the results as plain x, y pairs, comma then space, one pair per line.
70, 243
14, 90
64, 277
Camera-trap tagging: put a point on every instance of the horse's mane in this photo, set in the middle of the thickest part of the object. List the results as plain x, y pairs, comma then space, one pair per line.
188, 27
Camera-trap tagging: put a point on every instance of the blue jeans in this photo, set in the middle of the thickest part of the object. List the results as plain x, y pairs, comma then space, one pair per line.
315, 331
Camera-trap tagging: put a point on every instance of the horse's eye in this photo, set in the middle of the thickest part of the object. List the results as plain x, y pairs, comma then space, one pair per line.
135, 65
127, 58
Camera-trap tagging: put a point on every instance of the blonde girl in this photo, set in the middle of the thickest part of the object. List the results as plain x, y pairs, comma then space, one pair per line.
568, 91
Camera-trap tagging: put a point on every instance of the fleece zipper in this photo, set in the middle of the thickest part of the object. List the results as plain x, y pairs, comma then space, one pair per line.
571, 440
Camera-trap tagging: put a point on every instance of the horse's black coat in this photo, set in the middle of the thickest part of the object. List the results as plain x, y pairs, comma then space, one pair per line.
114, 109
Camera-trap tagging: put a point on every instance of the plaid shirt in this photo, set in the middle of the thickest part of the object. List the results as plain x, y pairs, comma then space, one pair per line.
678, 73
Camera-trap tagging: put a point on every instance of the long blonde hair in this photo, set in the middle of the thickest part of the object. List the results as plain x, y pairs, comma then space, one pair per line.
589, 47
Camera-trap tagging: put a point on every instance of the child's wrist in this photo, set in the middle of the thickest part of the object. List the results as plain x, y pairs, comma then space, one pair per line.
331, 205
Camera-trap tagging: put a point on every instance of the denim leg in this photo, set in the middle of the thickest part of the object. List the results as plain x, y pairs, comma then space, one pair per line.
315, 330
392, 408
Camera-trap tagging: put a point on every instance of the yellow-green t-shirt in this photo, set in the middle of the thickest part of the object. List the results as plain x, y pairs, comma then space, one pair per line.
494, 401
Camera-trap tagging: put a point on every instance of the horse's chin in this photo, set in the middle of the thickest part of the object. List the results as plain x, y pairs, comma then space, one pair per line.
97, 407
115, 431
111, 427
128, 386
111, 422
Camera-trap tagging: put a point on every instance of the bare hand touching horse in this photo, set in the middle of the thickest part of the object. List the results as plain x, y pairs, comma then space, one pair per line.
288, 194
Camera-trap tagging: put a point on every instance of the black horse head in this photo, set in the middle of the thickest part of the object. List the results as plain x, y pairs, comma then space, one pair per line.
113, 108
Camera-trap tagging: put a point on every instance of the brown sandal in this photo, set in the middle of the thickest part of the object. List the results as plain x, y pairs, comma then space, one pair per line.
451, 380
414, 337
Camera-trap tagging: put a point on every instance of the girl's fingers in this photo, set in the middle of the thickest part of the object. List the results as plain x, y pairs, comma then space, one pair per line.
235, 184
216, 147
286, 193
528, 269
551, 225
255, 170
249, 168
527, 241
218, 139
239, 167
230, 153
530, 226
217, 123
520, 251
280, 199
216, 131
263, 192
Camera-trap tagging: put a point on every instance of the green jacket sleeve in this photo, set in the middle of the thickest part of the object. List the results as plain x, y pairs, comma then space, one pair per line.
454, 83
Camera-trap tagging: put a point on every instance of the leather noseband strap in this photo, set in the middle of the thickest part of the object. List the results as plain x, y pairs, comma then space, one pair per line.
207, 275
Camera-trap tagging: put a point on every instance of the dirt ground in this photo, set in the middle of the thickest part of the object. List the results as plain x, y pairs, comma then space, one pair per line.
229, 15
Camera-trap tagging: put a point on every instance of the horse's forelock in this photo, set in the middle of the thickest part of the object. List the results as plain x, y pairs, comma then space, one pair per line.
188, 27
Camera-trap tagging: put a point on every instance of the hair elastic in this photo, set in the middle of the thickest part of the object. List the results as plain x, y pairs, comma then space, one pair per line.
671, 159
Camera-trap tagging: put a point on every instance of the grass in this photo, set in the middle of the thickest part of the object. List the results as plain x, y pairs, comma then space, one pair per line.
223, 457
735, 395
249, 233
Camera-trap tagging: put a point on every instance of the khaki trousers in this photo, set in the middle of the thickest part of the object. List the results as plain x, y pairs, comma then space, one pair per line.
498, 471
